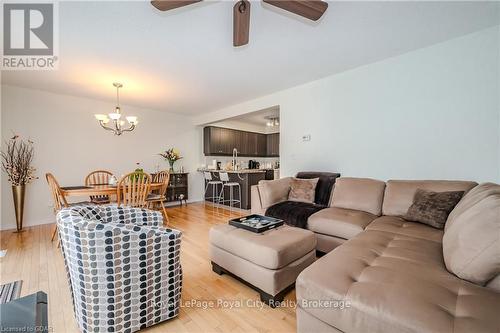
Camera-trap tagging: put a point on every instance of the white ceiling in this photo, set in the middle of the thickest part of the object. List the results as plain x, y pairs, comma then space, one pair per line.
258, 118
183, 61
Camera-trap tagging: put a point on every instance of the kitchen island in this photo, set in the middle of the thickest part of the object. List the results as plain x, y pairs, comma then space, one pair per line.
245, 177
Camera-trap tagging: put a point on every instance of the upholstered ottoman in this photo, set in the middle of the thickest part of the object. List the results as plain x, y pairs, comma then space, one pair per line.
269, 262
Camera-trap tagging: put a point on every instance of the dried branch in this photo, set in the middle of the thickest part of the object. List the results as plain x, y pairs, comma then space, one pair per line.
17, 161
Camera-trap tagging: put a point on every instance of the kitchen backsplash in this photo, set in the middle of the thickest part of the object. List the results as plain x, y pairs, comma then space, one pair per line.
265, 162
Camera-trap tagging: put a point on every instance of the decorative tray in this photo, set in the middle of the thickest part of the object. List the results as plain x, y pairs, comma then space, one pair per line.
256, 223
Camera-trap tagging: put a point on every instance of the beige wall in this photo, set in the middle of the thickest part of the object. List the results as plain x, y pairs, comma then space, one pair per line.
69, 143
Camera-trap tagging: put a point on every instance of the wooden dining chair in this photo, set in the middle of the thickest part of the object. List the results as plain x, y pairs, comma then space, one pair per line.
99, 177
59, 200
133, 189
159, 199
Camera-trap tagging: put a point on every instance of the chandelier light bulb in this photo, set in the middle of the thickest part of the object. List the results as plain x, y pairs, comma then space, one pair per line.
132, 119
115, 116
100, 117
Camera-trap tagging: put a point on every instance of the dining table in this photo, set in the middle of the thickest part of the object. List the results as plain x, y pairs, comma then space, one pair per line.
96, 190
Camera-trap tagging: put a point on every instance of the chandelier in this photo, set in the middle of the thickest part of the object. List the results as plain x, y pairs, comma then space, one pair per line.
117, 125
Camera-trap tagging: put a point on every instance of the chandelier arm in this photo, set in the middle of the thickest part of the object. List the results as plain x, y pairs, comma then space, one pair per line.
130, 129
105, 127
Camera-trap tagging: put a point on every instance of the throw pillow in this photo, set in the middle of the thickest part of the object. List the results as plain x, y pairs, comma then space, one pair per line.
432, 208
303, 190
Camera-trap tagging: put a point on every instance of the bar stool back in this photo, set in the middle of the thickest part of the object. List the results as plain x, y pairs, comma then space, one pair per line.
214, 183
224, 177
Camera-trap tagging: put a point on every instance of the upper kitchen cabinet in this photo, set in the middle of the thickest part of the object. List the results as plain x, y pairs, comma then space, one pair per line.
261, 145
273, 145
216, 141
219, 141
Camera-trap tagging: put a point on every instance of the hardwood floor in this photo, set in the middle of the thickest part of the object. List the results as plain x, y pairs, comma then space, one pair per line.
33, 258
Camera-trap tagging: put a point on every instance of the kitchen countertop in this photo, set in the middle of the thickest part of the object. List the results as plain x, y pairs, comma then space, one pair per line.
237, 171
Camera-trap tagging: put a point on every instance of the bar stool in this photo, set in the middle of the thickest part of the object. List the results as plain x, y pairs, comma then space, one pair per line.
226, 183
215, 184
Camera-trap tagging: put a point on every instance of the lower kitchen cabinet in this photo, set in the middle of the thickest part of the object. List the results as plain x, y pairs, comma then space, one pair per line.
245, 179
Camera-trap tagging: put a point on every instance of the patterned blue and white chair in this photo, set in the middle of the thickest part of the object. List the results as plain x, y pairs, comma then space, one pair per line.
123, 267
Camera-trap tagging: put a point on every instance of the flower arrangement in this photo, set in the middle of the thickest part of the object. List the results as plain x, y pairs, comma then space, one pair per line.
171, 155
17, 161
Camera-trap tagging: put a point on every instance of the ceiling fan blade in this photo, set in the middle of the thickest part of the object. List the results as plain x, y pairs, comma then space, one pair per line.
164, 5
241, 23
311, 9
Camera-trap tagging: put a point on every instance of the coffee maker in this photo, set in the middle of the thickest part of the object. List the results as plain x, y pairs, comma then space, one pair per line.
252, 164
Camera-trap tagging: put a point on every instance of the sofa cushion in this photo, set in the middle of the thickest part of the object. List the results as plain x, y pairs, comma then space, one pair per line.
303, 190
270, 249
400, 226
432, 208
394, 283
471, 198
359, 194
399, 194
274, 191
325, 185
339, 222
471, 244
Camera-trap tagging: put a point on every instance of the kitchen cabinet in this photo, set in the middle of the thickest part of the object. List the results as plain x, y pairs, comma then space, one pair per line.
219, 141
273, 145
261, 145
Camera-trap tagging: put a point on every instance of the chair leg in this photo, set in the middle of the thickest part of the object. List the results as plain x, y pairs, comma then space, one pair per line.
165, 215
54, 234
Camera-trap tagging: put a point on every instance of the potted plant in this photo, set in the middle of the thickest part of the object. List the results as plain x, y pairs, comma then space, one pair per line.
171, 155
17, 159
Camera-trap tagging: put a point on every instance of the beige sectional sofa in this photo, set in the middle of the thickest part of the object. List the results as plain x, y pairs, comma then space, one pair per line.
392, 275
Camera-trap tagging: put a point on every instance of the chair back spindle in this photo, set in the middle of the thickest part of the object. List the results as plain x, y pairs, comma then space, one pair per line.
98, 177
162, 177
133, 189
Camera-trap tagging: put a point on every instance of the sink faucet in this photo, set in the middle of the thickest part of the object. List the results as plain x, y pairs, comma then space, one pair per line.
234, 160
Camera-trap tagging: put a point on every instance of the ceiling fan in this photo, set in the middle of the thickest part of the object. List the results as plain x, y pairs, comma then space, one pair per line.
310, 9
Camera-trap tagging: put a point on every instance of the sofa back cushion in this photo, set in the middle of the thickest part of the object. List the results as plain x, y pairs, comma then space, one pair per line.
470, 199
274, 191
399, 194
359, 194
471, 242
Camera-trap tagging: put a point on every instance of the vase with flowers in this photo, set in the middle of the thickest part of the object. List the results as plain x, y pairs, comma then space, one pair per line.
17, 163
171, 155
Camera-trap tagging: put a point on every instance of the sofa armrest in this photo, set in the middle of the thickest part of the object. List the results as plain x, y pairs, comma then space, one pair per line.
268, 193
111, 214
136, 216
256, 204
